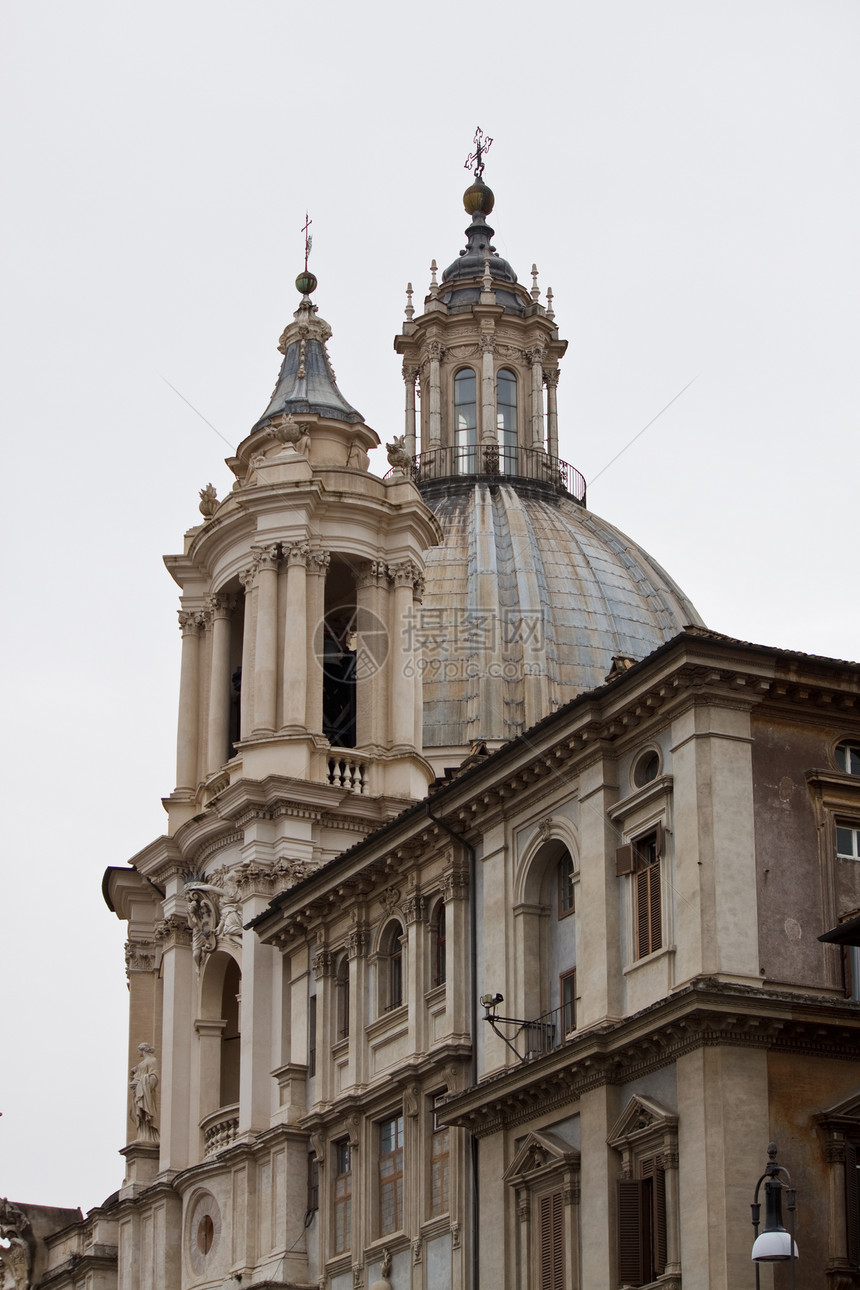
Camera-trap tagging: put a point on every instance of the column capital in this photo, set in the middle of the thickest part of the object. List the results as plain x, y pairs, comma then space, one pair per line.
535, 354
140, 956
318, 560
550, 378
266, 557
436, 351
296, 553
357, 943
413, 908
191, 621
220, 605
172, 932
404, 574
410, 373
487, 344
322, 963
371, 573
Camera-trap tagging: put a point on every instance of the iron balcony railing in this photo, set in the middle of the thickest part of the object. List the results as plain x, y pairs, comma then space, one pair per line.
489, 461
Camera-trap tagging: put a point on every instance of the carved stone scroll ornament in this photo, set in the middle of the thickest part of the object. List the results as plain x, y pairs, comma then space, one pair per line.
215, 914
143, 1082
16, 1258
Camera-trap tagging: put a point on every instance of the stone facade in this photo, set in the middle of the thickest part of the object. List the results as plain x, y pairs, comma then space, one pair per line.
518, 1013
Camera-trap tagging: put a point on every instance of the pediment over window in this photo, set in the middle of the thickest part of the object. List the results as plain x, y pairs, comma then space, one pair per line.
539, 1156
641, 1118
845, 1114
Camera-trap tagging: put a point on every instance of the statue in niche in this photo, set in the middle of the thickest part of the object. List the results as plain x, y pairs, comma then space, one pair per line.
215, 913
16, 1258
143, 1081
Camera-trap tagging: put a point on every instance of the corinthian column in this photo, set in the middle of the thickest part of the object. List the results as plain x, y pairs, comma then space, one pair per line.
409, 375
550, 380
535, 360
191, 624
488, 391
317, 567
296, 636
266, 658
402, 724
435, 351
221, 609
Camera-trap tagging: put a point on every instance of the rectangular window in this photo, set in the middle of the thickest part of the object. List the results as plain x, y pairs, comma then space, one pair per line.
342, 1196
313, 1183
551, 1242
568, 1001
390, 1175
440, 1156
312, 1036
642, 1224
565, 886
648, 911
847, 842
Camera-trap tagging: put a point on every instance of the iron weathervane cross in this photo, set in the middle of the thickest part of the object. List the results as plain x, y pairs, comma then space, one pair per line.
482, 145
308, 239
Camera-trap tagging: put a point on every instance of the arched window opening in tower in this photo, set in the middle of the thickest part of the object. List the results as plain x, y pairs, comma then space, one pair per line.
338, 656
506, 420
465, 421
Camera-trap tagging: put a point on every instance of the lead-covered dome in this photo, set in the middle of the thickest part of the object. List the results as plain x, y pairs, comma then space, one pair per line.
527, 602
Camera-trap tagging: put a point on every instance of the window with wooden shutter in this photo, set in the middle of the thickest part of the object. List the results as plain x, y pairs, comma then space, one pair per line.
852, 1202
642, 1250
551, 1240
648, 913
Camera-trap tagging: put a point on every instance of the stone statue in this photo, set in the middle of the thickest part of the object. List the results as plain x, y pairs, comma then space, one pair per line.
398, 457
16, 1258
143, 1082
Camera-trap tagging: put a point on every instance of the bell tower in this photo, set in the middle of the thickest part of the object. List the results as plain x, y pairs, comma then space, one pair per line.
297, 590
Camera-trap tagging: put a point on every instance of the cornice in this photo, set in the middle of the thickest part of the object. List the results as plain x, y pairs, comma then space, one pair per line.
705, 1014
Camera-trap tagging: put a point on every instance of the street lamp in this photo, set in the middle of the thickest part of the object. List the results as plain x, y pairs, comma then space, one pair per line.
774, 1244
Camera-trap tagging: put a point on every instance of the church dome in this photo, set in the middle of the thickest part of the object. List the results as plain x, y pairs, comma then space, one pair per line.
527, 602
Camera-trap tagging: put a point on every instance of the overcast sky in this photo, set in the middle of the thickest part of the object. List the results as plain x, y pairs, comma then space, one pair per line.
685, 176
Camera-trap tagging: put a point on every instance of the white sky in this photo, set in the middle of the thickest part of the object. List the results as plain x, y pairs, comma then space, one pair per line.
685, 175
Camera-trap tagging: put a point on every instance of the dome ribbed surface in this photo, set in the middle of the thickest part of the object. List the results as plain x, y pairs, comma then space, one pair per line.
526, 603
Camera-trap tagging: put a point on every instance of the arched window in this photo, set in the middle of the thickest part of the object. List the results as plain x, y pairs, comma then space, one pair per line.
506, 419
438, 938
391, 967
465, 421
231, 1040
341, 986
848, 756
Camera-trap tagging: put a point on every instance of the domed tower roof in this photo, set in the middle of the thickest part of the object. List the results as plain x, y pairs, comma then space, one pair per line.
527, 602
531, 596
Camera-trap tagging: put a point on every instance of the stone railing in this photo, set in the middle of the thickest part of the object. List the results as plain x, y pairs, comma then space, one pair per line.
220, 1129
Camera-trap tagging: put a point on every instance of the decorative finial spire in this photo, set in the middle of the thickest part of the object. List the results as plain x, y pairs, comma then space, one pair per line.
434, 285
410, 308
535, 289
482, 145
488, 277
550, 312
306, 281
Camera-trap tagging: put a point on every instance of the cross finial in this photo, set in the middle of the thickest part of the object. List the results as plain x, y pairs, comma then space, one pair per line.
308, 239
482, 145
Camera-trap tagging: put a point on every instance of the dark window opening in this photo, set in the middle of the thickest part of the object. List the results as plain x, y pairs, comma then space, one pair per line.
642, 1224
231, 1039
